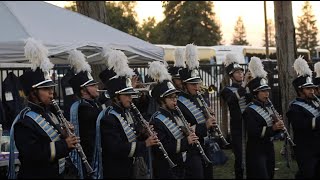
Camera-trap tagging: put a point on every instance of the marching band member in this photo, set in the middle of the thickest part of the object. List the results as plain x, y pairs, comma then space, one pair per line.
316, 79
192, 109
303, 115
237, 97
119, 138
179, 56
168, 125
84, 112
260, 127
40, 140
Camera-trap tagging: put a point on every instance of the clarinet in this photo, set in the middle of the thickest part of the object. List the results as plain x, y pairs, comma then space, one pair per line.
189, 131
64, 123
217, 128
277, 117
145, 124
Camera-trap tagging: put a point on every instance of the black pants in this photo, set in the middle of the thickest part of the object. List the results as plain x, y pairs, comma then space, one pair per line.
196, 167
308, 163
237, 151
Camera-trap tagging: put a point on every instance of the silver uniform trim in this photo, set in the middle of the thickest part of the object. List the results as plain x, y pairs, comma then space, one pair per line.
133, 149
313, 123
263, 131
52, 151
178, 149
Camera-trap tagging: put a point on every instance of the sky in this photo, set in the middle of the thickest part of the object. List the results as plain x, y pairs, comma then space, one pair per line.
227, 13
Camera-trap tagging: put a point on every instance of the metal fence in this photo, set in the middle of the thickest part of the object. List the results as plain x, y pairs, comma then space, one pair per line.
211, 75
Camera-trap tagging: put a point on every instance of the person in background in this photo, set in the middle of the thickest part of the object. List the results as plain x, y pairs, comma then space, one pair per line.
303, 115
260, 127
119, 135
169, 126
237, 96
193, 110
84, 112
179, 55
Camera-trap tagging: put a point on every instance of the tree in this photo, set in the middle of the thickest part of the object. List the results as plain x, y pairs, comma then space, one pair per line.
271, 34
239, 35
189, 22
147, 31
96, 10
286, 51
307, 30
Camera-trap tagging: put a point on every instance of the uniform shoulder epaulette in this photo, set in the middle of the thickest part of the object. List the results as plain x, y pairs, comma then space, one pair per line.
24, 111
155, 115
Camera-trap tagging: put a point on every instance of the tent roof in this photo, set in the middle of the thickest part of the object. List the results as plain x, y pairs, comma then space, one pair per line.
62, 30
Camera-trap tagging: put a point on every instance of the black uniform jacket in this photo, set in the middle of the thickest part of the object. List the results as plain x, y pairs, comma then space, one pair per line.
87, 116
116, 147
233, 102
201, 129
33, 144
173, 147
306, 128
258, 133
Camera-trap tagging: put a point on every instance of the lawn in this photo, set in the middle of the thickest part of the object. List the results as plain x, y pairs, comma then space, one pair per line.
226, 171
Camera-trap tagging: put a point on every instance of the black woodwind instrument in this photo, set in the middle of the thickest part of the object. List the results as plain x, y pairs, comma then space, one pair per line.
276, 117
208, 114
65, 124
145, 124
189, 131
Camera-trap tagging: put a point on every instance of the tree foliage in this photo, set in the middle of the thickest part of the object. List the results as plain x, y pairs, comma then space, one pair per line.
189, 22
239, 35
271, 34
120, 15
307, 30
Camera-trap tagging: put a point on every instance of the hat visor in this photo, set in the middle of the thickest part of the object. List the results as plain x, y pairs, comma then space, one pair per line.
308, 85
170, 92
235, 69
193, 80
175, 76
89, 83
262, 88
46, 84
129, 91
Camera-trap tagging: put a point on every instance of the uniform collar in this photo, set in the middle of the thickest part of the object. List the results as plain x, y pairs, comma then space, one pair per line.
38, 108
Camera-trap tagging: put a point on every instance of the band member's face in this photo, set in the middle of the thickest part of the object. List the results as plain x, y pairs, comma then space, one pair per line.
307, 93
238, 75
93, 90
317, 91
46, 95
263, 95
171, 101
125, 100
192, 88
177, 83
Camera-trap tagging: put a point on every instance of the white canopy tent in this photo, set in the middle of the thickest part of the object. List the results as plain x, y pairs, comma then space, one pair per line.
61, 30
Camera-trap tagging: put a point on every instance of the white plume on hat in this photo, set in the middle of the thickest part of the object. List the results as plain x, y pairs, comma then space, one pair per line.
158, 71
317, 69
301, 67
119, 62
231, 58
105, 54
256, 68
78, 61
37, 54
192, 59
179, 57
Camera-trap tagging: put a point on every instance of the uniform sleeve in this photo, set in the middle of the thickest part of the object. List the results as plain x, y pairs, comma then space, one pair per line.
255, 128
36, 148
115, 142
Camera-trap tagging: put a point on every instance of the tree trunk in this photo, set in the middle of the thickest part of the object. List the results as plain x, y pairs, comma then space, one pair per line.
95, 10
286, 52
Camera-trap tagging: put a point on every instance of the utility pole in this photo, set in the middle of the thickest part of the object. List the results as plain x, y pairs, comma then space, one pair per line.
266, 29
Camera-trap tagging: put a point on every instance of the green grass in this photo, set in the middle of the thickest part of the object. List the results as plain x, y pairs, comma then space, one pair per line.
226, 171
